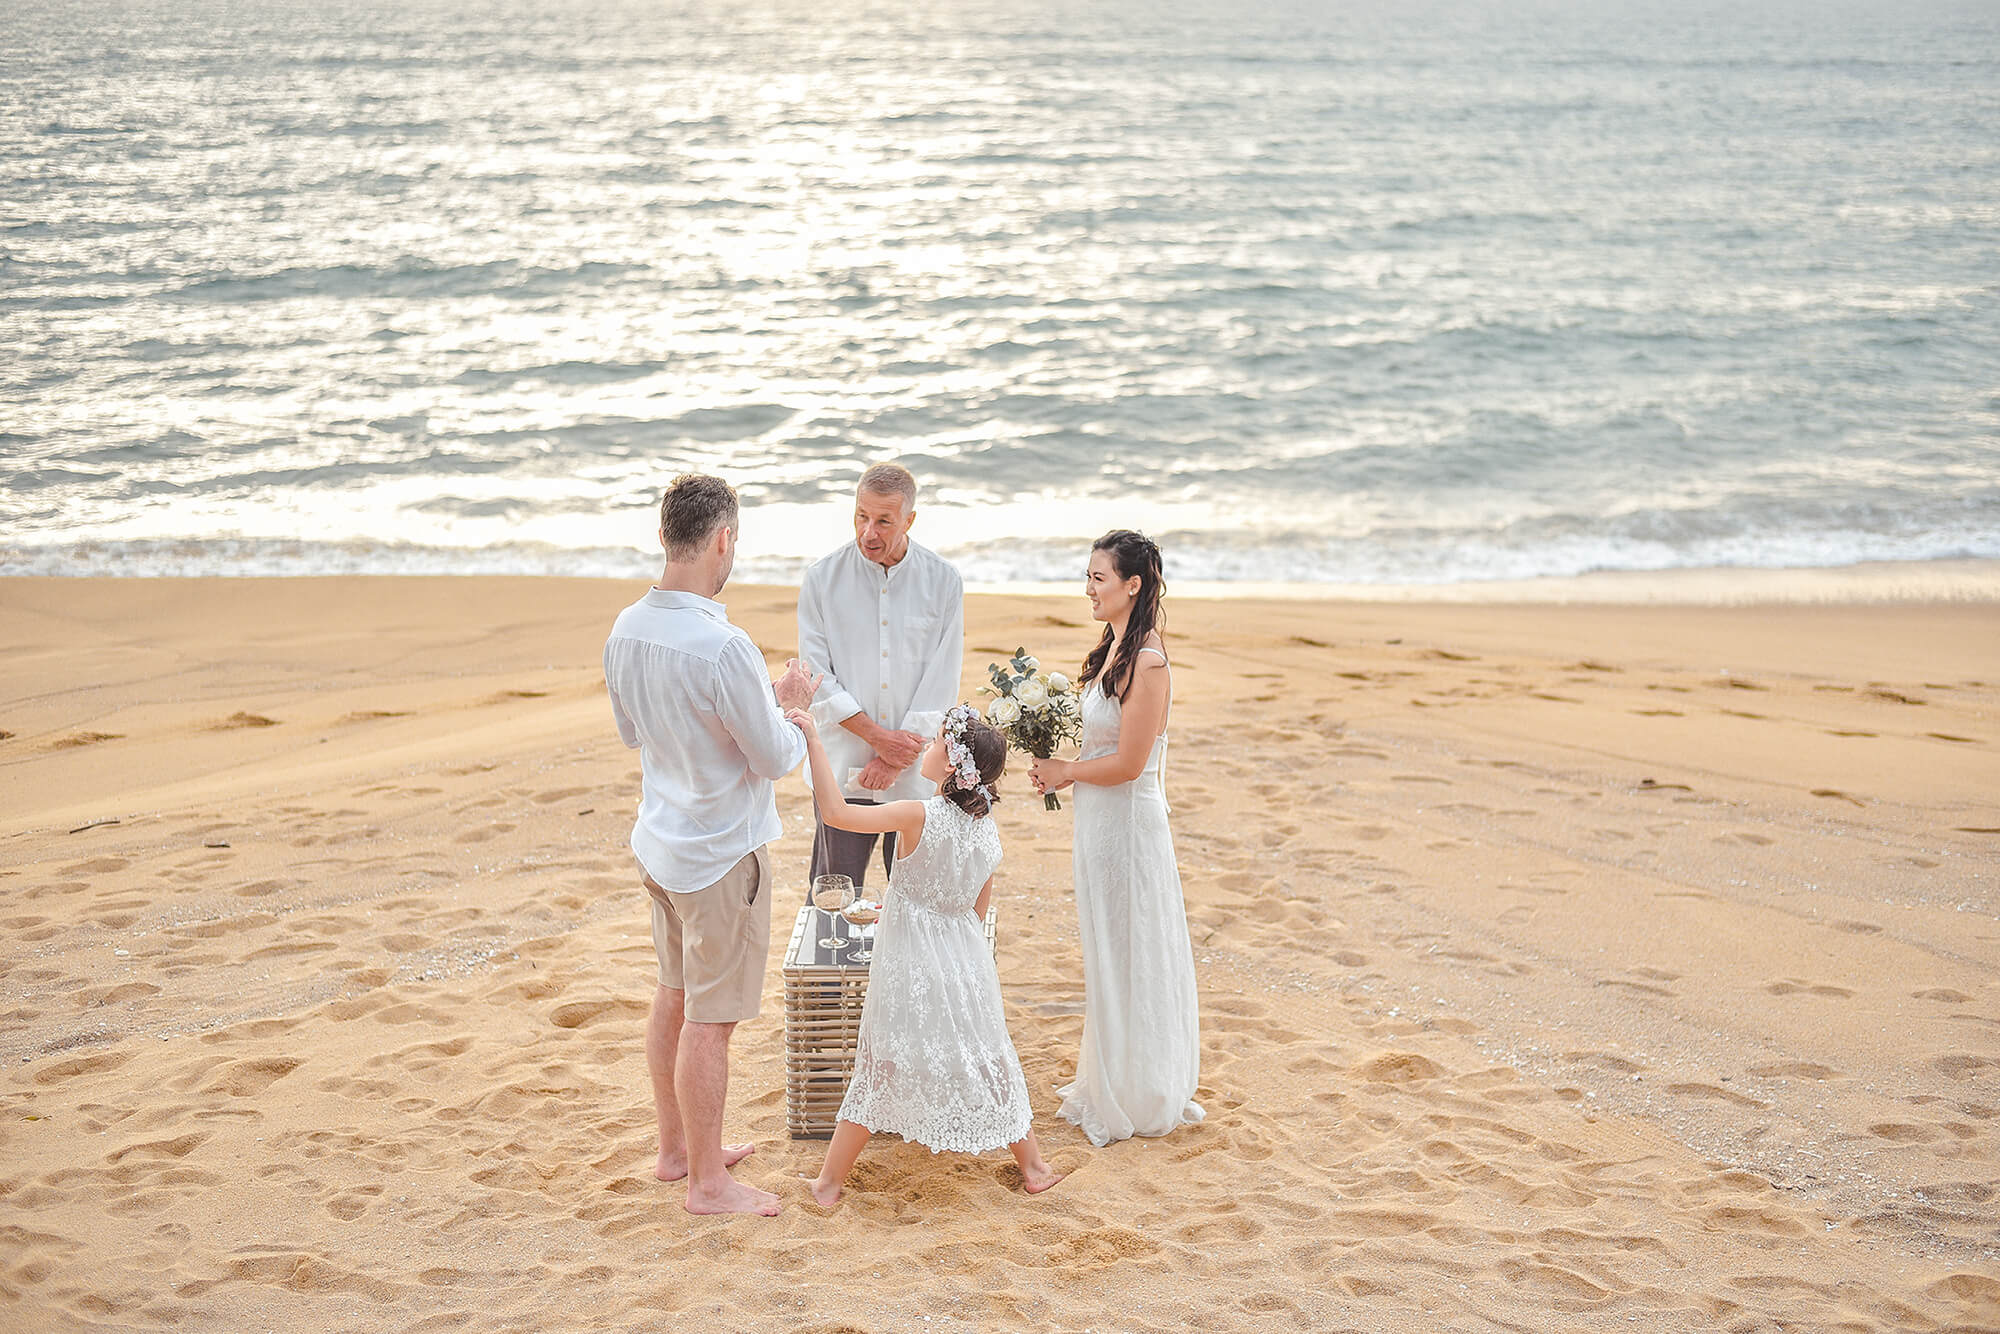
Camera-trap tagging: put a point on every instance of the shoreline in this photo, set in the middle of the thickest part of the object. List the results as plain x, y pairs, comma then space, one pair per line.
1869, 583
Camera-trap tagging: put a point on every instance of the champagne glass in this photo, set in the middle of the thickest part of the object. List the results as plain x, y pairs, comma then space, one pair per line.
863, 913
831, 893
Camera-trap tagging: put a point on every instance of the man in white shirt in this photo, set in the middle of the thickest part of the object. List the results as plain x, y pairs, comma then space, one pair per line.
883, 618
690, 693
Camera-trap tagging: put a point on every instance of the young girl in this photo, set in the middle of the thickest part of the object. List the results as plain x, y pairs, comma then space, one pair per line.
933, 1062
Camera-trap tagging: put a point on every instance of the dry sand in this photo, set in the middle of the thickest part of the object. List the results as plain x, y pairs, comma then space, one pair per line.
1562, 968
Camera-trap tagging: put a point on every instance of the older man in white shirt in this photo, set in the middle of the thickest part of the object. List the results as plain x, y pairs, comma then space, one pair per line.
883, 619
690, 693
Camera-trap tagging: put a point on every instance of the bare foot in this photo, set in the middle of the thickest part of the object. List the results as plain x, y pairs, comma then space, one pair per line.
733, 1198
1039, 1178
674, 1166
825, 1194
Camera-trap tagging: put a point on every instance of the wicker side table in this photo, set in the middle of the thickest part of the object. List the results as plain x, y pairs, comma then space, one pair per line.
823, 998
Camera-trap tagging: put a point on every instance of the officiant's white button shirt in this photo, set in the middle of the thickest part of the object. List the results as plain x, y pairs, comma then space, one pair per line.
890, 644
691, 695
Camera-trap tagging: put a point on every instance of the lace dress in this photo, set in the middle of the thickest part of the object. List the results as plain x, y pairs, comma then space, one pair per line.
1141, 1057
933, 1062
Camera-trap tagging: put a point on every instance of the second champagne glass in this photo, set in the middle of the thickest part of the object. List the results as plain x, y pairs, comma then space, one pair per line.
830, 894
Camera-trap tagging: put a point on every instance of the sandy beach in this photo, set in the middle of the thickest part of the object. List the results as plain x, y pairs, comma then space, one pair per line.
1562, 967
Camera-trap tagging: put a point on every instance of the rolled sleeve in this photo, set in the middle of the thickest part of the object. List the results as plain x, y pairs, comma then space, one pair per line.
771, 746
832, 704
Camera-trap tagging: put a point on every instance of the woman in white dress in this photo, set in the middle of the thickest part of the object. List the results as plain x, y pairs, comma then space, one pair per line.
1141, 1057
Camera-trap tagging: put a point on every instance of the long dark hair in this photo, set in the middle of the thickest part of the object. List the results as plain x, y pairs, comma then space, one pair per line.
989, 756
1131, 554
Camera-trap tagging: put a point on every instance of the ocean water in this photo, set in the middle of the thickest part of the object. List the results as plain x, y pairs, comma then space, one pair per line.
1417, 294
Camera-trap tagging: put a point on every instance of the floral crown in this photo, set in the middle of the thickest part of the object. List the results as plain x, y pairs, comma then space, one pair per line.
959, 754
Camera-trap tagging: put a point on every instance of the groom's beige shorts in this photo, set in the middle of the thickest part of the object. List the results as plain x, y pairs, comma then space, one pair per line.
712, 943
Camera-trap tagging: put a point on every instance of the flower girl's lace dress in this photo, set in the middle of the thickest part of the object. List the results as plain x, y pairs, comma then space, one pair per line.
934, 1063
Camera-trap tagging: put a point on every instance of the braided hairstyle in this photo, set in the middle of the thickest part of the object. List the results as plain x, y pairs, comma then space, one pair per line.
989, 756
1131, 554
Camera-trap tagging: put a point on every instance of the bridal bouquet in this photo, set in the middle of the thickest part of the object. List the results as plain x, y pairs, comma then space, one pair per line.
1035, 710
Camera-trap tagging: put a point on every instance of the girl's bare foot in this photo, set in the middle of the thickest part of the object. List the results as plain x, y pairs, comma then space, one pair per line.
674, 1166
732, 1197
825, 1193
1038, 1178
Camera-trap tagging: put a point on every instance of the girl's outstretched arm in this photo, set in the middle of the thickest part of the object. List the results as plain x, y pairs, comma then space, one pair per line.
905, 819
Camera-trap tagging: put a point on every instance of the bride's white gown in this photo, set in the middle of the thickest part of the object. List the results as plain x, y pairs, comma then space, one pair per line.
1141, 1057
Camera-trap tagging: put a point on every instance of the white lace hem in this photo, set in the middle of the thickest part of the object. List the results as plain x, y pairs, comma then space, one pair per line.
946, 1133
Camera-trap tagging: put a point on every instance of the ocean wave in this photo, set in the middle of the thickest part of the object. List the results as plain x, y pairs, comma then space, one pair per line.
564, 372
1733, 536
409, 278
1350, 296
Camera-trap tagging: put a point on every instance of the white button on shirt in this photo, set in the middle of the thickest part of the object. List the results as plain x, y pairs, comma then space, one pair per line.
691, 694
899, 666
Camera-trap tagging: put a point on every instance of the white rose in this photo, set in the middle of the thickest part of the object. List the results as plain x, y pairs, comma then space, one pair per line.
1031, 693
1003, 712
1058, 683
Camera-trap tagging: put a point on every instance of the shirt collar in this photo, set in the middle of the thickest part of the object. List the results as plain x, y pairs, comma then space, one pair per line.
679, 601
886, 572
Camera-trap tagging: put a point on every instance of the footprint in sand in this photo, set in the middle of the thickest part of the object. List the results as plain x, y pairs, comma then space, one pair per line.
1898, 1132
1793, 987
1615, 1064
1395, 1067
246, 1079
238, 720
179, 1147
582, 1014
78, 739
1712, 1092
1753, 840
1961, 1065
62, 1072
1646, 988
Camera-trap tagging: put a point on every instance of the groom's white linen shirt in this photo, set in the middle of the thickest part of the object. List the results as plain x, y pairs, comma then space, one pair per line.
691, 694
890, 644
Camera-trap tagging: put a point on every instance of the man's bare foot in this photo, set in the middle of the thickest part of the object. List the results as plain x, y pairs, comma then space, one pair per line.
732, 1198
1039, 1178
825, 1193
674, 1166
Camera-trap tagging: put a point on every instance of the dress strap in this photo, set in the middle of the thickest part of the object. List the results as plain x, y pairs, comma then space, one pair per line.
1148, 648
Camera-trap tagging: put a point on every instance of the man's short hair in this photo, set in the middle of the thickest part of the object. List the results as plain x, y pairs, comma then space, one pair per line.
890, 479
691, 509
